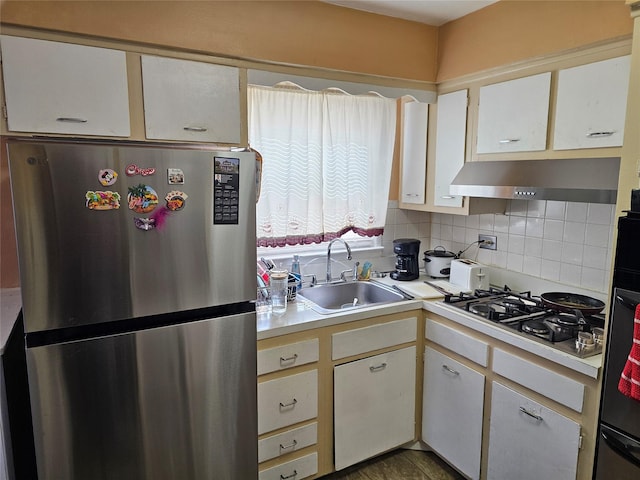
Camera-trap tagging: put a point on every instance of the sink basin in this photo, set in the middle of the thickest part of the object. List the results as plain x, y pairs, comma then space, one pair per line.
336, 297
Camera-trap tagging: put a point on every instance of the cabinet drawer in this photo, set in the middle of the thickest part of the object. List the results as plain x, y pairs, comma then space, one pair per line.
361, 340
461, 343
546, 382
287, 356
287, 442
287, 400
297, 469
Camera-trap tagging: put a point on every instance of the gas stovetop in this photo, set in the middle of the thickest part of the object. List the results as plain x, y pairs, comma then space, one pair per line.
526, 314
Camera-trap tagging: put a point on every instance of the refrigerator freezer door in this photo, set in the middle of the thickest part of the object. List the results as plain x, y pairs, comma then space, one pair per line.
82, 266
174, 402
617, 410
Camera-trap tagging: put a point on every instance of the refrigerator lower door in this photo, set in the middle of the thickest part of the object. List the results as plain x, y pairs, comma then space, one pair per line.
618, 456
176, 402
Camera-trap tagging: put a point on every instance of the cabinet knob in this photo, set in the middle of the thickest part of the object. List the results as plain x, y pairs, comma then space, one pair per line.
71, 120
291, 358
531, 414
290, 404
599, 134
377, 368
450, 370
291, 445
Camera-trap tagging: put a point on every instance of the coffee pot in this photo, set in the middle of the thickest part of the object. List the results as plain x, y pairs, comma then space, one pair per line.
407, 251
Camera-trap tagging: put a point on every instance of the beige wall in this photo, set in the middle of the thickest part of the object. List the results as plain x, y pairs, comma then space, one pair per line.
295, 32
321, 35
513, 30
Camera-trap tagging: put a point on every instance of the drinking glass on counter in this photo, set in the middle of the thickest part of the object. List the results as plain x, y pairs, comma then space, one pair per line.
278, 280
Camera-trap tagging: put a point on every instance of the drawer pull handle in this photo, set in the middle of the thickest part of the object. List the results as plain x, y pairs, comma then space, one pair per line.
290, 404
411, 194
293, 475
287, 447
377, 368
531, 414
447, 197
292, 358
450, 370
509, 140
195, 129
71, 120
599, 134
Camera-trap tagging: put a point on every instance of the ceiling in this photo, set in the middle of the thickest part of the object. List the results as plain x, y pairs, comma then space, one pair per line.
431, 12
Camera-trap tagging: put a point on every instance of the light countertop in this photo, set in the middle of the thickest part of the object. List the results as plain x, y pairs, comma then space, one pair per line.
300, 317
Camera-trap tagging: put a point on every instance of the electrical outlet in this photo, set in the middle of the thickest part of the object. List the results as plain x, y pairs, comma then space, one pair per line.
488, 241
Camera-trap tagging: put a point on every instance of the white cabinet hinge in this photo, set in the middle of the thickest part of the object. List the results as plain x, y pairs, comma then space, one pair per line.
580, 442
4, 111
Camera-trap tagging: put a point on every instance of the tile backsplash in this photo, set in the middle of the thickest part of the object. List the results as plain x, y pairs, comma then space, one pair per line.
565, 242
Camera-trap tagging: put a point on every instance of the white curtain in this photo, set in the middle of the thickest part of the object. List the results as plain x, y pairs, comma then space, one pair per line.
326, 163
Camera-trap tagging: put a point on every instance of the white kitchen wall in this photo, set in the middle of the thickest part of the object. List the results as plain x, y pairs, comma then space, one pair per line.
566, 242
406, 224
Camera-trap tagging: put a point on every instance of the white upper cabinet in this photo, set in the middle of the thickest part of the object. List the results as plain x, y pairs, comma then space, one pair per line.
191, 101
591, 104
414, 152
451, 132
513, 115
54, 87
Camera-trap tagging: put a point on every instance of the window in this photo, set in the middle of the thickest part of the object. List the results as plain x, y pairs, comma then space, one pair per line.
326, 163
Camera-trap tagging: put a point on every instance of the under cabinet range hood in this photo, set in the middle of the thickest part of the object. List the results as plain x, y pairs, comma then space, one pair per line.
593, 180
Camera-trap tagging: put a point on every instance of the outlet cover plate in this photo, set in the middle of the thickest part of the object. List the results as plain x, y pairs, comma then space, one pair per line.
490, 242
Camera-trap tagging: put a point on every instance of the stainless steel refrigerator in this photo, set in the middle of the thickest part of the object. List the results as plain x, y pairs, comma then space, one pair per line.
137, 267
618, 452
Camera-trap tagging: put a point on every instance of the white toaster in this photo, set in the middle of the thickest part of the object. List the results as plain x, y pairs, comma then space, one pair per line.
469, 275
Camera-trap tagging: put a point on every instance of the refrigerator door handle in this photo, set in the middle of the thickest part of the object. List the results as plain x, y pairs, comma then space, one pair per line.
627, 450
626, 303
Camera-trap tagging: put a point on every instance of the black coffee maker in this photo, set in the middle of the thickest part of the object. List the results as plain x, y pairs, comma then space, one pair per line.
407, 251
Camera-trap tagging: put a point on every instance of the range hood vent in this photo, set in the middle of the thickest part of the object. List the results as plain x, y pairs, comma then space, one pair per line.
593, 180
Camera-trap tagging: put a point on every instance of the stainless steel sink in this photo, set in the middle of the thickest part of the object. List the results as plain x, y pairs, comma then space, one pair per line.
336, 297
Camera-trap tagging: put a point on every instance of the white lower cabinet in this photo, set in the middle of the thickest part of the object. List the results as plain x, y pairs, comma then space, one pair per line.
296, 469
287, 400
452, 409
374, 405
528, 441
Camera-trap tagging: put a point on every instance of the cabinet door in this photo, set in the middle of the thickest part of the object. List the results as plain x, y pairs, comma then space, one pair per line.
414, 152
192, 101
512, 115
528, 441
591, 105
451, 132
374, 405
452, 402
54, 87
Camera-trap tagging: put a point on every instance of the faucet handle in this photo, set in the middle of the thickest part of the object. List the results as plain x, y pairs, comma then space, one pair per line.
314, 280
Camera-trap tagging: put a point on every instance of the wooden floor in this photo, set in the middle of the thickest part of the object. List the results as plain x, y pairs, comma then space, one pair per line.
399, 465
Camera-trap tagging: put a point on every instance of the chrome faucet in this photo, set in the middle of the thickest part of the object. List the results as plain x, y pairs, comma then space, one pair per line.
329, 255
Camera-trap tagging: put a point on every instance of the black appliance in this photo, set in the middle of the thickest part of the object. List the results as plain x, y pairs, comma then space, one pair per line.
407, 251
618, 448
531, 317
